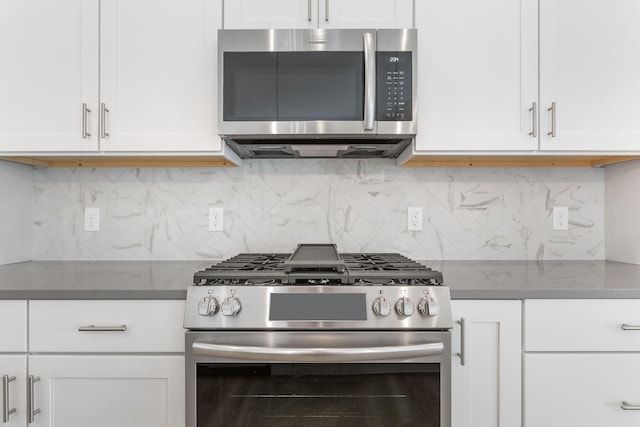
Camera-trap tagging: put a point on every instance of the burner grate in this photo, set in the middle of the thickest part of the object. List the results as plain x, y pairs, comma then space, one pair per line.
264, 269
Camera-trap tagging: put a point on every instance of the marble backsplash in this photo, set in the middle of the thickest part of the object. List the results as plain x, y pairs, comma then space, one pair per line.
361, 205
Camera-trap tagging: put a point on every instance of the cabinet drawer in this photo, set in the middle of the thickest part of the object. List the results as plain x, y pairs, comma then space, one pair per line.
581, 325
13, 326
106, 326
585, 389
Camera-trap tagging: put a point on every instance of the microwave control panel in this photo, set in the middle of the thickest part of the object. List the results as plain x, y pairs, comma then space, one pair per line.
394, 86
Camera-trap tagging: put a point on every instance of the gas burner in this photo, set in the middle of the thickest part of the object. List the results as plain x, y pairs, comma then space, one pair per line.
318, 265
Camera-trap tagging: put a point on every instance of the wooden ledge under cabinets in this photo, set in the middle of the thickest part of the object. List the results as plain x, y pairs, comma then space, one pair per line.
121, 161
514, 161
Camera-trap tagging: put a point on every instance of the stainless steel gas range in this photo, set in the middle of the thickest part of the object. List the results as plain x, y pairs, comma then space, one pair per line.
318, 337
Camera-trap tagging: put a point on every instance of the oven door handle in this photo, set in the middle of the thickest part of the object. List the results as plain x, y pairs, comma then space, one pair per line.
295, 355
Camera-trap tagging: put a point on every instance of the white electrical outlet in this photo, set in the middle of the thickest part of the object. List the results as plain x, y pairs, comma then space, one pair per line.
560, 218
216, 219
91, 219
414, 219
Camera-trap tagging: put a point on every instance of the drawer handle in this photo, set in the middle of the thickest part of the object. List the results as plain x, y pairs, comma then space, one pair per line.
94, 328
31, 409
6, 411
627, 327
630, 406
462, 322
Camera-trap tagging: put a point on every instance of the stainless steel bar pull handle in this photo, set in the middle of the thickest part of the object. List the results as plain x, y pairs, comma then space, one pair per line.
534, 126
309, 10
552, 132
85, 120
326, 10
103, 120
462, 322
628, 327
630, 406
94, 328
31, 411
369, 81
6, 412
313, 355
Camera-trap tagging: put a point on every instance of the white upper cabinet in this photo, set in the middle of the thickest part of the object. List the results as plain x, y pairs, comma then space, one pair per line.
49, 52
318, 14
479, 80
109, 75
590, 68
158, 75
478, 77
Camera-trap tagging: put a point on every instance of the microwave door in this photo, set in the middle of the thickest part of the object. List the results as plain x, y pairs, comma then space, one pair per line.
321, 90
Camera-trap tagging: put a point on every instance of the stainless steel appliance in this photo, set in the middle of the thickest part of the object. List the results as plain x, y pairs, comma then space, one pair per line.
317, 93
318, 338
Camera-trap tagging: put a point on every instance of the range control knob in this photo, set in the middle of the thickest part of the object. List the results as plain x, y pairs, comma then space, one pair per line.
208, 306
230, 306
404, 307
381, 306
428, 307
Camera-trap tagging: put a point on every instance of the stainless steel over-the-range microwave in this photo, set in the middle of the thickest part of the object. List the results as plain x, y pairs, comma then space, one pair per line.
317, 93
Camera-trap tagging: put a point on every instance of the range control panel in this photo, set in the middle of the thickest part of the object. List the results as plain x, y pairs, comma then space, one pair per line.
394, 86
313, 307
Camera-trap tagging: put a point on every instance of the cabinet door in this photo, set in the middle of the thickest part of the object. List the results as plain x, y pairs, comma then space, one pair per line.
581, 389
107, 391
270, 14
49, 52
486, 388
366, 14
13, 326
158, 74
589, 66
478, 70
13, 368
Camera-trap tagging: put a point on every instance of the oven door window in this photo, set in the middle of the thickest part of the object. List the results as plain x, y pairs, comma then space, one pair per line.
318, 395
293, 86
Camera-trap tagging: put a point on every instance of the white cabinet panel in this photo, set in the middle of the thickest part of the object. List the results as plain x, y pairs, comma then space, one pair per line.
585, 390
261, 14
366, 14
13, 368
13, 326
589, 67
318, 14
151, 326
158, 74
108, 391
486, 388
478, 78
49, 51
581, 325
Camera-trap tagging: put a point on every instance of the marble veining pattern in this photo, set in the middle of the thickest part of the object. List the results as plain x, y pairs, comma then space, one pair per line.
361, 205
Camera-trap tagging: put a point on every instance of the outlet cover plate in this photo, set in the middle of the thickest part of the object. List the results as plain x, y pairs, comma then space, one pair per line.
560, 218
216, 219
91, 219
414, 219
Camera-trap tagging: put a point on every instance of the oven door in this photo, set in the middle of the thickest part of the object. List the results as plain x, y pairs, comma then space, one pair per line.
318, 378
296, 82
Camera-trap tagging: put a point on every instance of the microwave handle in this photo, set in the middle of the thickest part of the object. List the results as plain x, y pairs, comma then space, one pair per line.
369, 81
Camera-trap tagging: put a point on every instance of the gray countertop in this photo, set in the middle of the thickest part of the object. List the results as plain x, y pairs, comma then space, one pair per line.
466, 279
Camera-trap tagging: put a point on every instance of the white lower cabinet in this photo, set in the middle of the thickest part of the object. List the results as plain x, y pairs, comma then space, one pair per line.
13, 371
108, 391
581, 363
486, 363
105, 363
584, 389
